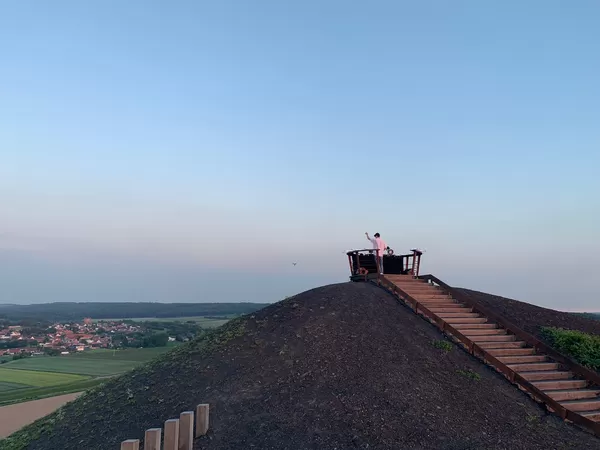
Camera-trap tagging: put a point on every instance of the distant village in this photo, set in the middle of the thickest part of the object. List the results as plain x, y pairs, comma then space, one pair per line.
66, 338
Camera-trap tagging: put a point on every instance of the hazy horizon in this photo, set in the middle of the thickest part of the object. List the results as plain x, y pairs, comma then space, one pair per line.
190, 152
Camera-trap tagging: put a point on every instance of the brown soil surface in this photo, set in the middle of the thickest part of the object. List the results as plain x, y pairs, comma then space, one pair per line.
339, 367
14, 417
530, 317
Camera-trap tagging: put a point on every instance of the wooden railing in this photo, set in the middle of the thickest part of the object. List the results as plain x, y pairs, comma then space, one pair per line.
367, 260
529, 339
179, 434
592, 377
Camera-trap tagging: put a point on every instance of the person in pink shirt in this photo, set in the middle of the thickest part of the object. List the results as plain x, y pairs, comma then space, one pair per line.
378, 244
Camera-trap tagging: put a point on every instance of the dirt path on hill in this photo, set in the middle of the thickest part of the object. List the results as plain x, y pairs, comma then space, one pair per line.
14, 417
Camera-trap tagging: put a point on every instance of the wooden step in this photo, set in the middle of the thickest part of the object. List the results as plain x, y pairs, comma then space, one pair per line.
474, 326
533, 367
411, 282
582, 405
523, 359
560, 384
463, 320
592, 415
506, 352
407, 282
432, 307
408, 278
419, 288
451, 308
410, 285
574, 394
429, 296
501, 345
435, 300
449, 303
438, 302
484, 332
501, 338
547, 375
459, 315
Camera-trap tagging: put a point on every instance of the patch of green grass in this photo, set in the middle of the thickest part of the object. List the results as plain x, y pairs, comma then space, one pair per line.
6, 386
66, 373
80, 366
36, 378
127, 354
469, 374
443, 345
99, 363
582, 347
35, 393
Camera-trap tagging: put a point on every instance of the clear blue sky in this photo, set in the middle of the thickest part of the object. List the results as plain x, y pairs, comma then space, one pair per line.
190, 151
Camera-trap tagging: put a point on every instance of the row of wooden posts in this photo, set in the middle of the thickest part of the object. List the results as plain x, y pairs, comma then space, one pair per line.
179, 433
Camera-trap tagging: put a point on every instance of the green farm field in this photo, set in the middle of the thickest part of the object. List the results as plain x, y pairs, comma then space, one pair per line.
79, 366
21, 385
204, 322
97, 363
37, 378
7, 386
43, 376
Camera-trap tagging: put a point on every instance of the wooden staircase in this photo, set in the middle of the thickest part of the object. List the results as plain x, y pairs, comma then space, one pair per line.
565, 387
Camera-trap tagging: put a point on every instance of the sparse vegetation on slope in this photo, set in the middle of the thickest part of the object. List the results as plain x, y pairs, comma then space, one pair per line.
343, 366
443, 345
582, 347
469, 374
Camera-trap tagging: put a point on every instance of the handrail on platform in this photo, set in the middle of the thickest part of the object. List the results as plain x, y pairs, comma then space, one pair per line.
411, 262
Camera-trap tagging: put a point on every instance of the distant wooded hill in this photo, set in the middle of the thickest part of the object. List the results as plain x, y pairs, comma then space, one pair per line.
64, 312
595, 316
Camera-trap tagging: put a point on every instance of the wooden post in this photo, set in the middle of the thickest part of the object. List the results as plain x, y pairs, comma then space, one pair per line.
130, 444
171, 434
202, 411
152, 439
186, 430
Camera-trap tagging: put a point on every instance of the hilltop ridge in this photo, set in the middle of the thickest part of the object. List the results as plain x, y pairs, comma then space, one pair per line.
340, 366
531, 317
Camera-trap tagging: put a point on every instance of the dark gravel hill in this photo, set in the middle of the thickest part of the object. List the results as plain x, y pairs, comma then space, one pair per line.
338, 367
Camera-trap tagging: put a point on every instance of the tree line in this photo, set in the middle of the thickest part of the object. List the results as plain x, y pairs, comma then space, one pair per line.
67, 311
